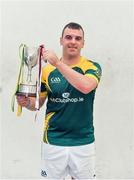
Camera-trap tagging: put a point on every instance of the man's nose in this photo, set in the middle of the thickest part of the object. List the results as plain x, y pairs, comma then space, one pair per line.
73, 40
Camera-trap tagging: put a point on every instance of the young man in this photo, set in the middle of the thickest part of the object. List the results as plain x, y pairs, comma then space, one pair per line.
69, 84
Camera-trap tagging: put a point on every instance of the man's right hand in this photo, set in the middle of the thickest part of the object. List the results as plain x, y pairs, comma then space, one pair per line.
22, 100
29, 102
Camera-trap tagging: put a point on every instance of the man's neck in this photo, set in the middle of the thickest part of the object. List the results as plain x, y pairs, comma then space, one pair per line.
71, 60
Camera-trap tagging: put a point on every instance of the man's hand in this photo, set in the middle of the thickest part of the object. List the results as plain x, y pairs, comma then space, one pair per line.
22, 101
50, 56
29, 102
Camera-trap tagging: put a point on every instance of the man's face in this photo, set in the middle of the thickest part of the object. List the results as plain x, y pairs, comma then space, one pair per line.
72, 41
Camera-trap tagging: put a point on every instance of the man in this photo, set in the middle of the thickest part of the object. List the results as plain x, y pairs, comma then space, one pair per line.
69, 83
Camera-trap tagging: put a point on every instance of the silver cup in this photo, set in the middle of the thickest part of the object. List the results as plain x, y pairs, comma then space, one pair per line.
28, 85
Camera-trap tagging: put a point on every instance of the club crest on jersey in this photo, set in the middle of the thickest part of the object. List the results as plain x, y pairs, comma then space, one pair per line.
65, 95
98, 73
55, 80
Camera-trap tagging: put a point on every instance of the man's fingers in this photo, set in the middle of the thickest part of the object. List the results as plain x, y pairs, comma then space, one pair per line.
45, 55
22, 100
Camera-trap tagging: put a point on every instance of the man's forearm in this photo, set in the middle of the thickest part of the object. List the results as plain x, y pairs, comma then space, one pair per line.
79, 81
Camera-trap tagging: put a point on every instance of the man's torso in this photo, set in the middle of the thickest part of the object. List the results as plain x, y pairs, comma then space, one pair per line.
69, 114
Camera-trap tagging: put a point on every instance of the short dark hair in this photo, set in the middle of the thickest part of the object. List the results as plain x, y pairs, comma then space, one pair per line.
72, 25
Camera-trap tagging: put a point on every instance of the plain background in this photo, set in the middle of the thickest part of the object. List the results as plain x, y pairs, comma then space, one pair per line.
109, 41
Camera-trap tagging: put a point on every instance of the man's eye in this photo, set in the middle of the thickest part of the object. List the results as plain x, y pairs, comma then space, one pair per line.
78, 38
68, 37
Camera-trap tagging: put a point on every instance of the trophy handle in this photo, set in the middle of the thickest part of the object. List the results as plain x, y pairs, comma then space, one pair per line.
21, 51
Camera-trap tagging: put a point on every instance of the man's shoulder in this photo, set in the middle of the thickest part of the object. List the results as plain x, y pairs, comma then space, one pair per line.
48, 68
91, 63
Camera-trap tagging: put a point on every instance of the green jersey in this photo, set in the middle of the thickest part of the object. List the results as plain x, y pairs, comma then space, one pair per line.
69, 112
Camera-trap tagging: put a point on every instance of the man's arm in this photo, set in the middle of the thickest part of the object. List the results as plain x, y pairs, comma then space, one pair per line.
81, 82
29, 102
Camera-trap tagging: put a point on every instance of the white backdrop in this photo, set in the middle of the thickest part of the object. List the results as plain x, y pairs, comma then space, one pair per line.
109, 41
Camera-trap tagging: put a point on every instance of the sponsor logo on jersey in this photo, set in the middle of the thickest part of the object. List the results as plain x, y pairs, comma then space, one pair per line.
55, 80
66, 98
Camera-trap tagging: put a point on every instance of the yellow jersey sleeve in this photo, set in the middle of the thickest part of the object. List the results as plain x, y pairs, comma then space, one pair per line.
94, 71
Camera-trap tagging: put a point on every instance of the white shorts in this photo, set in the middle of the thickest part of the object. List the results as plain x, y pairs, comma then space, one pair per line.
59, 161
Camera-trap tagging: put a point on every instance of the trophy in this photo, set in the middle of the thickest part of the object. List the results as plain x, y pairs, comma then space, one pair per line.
27, 86
28, 83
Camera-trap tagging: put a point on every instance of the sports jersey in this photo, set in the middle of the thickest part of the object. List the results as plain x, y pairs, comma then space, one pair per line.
69, 112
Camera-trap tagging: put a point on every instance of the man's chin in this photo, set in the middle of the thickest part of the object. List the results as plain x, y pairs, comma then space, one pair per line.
71, 55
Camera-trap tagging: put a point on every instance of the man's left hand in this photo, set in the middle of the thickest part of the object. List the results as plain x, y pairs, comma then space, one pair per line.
51, 57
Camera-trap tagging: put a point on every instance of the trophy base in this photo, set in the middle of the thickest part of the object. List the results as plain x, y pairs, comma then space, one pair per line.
27, 90
25, 94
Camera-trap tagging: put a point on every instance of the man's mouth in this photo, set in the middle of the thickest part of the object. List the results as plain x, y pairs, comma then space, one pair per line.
70, 47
